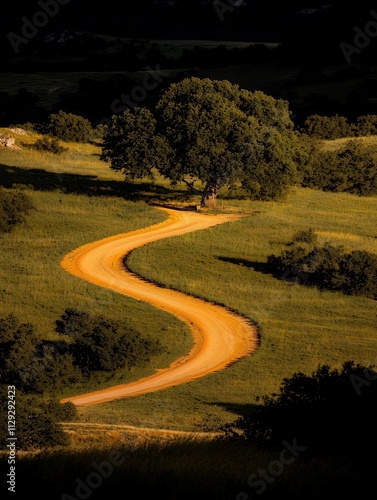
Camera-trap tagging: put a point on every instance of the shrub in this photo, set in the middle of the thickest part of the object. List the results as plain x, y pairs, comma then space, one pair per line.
305, 236
62, 412
351, 169
70, 127
29, 364
38, 423
100, 344
357, 274
329, 268
366, 125
328, 127
14, 206
324, 411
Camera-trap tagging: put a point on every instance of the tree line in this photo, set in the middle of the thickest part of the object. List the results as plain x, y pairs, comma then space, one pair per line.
337, 126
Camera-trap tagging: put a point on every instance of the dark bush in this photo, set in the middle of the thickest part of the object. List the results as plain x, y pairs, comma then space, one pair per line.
324, 411
61, 412
306, 236
69, 127
101, 344
37, 423
351, 169
328, 267
366, 125
30, 364
14, 206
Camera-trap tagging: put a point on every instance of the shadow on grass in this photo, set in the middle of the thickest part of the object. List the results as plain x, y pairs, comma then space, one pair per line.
260, 267
90, 185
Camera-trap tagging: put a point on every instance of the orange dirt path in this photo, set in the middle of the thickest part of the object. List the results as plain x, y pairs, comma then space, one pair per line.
221, 337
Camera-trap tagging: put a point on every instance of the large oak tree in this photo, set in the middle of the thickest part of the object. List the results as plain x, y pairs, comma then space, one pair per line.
209, 132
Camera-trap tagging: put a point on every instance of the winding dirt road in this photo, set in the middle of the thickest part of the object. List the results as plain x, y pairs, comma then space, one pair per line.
220, 336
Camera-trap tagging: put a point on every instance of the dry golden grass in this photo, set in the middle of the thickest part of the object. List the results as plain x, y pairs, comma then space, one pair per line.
334, 144
87, 435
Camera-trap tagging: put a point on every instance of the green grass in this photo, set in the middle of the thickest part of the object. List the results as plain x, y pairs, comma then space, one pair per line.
78, 199
300, 327
34, 286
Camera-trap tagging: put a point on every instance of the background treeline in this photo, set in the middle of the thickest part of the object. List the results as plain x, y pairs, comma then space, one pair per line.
327, 267
337, 127
80, 51
93, 98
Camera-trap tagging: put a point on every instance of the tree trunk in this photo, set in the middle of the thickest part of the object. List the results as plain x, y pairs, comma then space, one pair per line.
209, 195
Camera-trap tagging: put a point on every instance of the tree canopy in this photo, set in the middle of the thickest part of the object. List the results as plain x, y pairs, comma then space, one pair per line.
212, 133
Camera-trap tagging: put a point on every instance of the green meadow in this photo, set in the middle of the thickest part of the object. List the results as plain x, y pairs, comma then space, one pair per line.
78, 199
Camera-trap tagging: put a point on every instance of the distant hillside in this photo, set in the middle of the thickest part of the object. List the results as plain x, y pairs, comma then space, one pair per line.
312, 29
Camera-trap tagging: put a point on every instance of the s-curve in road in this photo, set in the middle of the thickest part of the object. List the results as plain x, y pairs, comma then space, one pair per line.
220, 336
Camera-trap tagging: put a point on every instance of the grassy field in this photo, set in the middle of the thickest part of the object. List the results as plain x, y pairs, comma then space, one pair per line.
300, 327
35, 288
79, 199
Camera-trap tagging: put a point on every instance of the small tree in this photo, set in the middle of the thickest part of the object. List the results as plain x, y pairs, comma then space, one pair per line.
14, 206
351, 169
212, 132
100, 344
69, 127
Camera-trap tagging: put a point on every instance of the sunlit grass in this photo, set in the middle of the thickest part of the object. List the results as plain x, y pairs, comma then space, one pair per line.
300, 327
